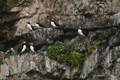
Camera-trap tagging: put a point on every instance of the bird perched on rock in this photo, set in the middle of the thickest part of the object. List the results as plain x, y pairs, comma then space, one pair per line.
53, 23
32, 48
38, 25
24, 47
11, 51
80, 31
29, 26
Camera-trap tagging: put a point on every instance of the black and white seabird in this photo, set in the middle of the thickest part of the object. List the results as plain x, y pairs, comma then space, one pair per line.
53, 24
30, 26
23, 47
11, 51
32, 47
38, 25
80, 31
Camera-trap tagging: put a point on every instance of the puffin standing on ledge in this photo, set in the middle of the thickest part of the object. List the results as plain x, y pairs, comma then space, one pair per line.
24, 47
80, 31
10, 51
29, 26
32, 48
53, 24
38, 25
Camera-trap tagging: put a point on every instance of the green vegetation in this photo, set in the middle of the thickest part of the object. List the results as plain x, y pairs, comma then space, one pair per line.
9, 54
118, 53
60, 52
67, 54
105, 53
27, 49
93, 46
81, 41
77, 59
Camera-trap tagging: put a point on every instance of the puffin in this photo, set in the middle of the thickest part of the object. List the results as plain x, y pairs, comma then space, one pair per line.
38, 25
53, 24
29, 26
80, 31
32, 48
24, 47
10, 51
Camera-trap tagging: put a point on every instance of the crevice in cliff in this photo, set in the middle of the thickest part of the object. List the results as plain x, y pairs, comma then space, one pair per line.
97, 71
40, 46
35, 75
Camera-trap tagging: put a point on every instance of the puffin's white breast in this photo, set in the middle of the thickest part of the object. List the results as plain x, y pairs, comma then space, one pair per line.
53, 24
80, 32
29, 26
32, 48
37, 25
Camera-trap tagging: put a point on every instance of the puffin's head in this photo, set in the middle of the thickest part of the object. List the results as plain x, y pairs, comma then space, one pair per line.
79, 27
28, 22
52, 19
24, 41
12, 49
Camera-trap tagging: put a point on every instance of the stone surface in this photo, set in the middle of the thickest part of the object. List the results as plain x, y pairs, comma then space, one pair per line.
99, 20
23, 66
2, 55
89, 66
70, 14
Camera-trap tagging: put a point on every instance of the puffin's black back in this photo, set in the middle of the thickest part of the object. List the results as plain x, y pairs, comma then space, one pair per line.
20, 47
41, 25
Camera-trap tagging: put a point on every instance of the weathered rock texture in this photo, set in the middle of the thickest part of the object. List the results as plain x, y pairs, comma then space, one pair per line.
36, 66
99, 19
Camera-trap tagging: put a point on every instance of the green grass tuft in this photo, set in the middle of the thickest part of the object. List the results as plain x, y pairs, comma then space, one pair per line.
117, 53
9, 54
67, 54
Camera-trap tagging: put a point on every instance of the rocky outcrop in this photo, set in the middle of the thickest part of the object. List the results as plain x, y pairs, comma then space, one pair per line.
99, 20
36, 66
68, 14
9, 15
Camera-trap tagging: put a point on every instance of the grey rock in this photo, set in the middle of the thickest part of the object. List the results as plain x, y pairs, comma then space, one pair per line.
21, 65
2, 55
89, 65
99, 18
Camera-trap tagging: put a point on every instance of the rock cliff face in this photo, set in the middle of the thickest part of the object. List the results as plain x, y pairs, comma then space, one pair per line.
99, 19
36, 67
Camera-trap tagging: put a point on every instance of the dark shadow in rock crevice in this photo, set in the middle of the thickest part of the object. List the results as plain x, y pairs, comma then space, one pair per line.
38, 75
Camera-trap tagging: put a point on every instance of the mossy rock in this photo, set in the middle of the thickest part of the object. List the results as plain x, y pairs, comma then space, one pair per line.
117, 53
66, 54
9, 54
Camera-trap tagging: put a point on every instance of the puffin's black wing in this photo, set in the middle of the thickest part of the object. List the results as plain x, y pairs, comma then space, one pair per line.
85, 32
56, 24
32, 27
41, 25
